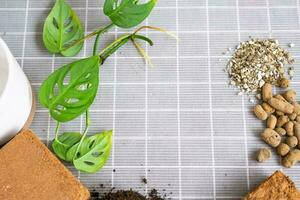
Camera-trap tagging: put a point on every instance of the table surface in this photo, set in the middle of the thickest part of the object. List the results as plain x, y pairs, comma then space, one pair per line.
177, 124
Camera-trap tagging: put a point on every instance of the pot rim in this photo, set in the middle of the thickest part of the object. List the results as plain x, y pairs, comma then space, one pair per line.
8, 62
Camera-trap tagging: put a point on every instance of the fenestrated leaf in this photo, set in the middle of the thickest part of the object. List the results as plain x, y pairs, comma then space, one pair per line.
62, 27
71, 89
64, 142
127, 13
93, 152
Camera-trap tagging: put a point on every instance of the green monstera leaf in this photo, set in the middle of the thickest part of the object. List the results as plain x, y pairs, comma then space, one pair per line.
127, 13
61, 29
64, 142
71, 89
93, 152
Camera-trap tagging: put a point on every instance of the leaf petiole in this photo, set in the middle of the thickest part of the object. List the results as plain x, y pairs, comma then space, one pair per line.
87, 121
101, 32
98, 31
141, 37
57, 130
111, 48
87, 126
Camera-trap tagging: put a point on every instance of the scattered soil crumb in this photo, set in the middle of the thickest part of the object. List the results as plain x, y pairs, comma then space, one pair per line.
144, 180
251, 100
94, 194
154, 195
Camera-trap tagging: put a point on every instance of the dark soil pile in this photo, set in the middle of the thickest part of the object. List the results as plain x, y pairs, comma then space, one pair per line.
123, 195
126, 195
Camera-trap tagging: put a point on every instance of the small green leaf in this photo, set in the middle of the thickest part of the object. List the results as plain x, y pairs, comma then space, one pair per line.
71, 89
62, 27
93, 152
127, 13
64, 142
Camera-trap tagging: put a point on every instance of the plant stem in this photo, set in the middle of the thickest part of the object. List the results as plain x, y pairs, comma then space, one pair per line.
112, 45
87, 126
88, 36
96, 44
87, 113
87, 122
56, 130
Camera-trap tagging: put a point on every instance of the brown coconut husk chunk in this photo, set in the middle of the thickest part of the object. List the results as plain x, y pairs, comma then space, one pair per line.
277, 187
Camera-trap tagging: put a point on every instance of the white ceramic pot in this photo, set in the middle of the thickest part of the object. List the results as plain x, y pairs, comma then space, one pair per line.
16, 99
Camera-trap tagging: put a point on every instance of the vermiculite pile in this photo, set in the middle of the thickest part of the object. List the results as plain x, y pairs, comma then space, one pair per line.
256, 62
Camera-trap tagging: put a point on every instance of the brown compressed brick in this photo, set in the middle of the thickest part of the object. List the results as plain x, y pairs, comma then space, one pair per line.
28, 170
276, 187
